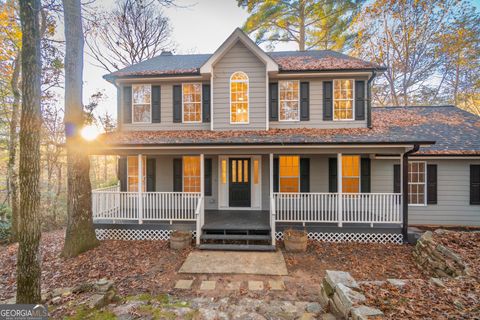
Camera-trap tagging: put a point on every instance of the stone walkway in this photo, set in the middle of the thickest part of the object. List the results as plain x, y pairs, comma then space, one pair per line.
206, 285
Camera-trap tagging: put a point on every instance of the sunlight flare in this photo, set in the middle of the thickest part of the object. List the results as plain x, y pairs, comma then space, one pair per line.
90, 132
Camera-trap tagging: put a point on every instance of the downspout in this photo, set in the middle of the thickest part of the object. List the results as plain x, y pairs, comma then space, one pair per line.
416, 147
369, 99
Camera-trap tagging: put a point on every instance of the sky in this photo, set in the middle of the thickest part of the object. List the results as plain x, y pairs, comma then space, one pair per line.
199, 26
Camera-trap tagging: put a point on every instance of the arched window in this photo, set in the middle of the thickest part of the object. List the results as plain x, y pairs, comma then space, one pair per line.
239, 98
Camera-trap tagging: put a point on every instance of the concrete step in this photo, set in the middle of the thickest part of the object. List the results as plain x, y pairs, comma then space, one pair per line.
237, 247
235, 237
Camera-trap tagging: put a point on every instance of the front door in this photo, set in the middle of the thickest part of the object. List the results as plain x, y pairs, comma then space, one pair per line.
239, 182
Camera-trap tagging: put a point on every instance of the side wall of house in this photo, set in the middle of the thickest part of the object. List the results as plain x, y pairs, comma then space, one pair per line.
239, 58
453, 206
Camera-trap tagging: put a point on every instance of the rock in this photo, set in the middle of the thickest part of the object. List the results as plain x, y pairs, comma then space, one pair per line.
211, 314
307, 316
397, 282
345, 298
313, 307
126, 308
365, 313
103, 285
97, 301
437, 282
373, 282
333, 278
46, 296
63, 292
82, 287
328, 316
426, 237
324, 298
56, 300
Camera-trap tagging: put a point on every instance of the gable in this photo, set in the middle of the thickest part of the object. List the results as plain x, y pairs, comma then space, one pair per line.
238, 36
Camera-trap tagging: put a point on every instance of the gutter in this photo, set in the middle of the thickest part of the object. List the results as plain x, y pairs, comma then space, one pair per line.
415, 148
369, 99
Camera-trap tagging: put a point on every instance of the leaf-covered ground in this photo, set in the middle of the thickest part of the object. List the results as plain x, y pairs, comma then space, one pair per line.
422, 299
150, 266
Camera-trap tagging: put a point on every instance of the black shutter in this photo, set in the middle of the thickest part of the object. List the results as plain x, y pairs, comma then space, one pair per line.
273, 102
304, 174
475, 184
206, 103
396, 179
127, 104
360, 100
304, 101
332, 175
276, 168
177, 175
365, 174
151, 172
208, 177
122, 173
327, 100
177, 103
156, 111
432, 184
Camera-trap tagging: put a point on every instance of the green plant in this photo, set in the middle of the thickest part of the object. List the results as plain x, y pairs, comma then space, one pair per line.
5, 231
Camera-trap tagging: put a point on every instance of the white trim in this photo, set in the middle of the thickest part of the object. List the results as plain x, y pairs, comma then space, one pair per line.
201, 103
223, 190
239, 35
267, 101
279, 102
211, 101
248, 96
413, 157
353, 100
132, 81
286, 74
133, 104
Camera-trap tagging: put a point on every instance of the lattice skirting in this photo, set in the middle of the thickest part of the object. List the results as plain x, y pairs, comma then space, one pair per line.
134, 234
352, 237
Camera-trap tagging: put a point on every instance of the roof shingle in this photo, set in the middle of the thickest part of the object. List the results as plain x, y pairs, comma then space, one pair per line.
454, 131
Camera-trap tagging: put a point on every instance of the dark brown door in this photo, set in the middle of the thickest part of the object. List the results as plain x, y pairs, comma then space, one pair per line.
239, 182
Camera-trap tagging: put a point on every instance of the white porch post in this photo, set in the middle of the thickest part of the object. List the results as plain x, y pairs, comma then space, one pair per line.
272, 202
202, 199
140, 188
339, 189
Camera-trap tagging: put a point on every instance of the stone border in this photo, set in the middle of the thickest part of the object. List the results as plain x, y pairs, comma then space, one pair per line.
341, 294
435, 258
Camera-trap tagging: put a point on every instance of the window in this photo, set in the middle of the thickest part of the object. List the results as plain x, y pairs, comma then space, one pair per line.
191, 174
255, 171
289, 173
141, 106
416, 182
239, 98
289, 100
224, 171
132, 173
351, 174
192, 102
343, 99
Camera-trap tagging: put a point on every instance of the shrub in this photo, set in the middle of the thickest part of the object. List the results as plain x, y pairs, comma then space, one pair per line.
5, 231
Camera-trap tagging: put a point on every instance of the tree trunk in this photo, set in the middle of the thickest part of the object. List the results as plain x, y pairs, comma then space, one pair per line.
28, 257
12, 147
80, 235
302, 35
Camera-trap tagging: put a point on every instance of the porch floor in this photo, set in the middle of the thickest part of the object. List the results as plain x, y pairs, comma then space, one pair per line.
237, 220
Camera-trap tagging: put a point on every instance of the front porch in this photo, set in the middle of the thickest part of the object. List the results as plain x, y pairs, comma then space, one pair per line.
233, 197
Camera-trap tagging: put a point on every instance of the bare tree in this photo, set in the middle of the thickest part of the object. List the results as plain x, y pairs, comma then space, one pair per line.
80, 235
134, 31
28, 257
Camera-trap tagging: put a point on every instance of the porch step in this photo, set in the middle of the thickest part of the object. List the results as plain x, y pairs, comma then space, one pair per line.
234, 237
237, 247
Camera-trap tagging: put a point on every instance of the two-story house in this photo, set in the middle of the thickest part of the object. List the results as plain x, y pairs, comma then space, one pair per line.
240, 144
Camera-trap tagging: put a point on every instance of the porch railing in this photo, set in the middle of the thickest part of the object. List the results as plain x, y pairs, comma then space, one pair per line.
338, 208
154, 206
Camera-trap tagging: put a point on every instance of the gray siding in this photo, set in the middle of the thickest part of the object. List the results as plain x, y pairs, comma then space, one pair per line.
239, 58
166, 112
453, 207
316, 109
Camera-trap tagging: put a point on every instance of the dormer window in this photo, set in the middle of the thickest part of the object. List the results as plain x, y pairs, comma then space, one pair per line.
142, 103
192, 102
289, 92
342, 99
239, 98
